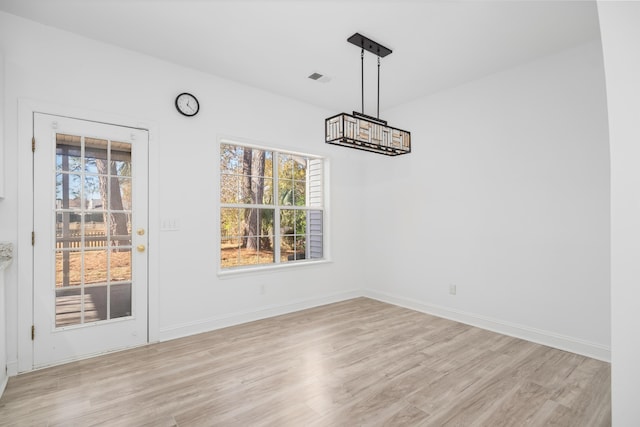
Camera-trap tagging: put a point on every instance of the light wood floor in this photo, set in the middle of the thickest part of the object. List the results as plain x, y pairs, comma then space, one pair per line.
358, 362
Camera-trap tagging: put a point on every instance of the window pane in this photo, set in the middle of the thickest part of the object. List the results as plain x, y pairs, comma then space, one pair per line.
94, 191
120, 265
95, 303
68, 268
287, 222
299, 167
68, 153
299, 195
94, 224
285, 193
229, 188
95, 156
230, 221
95, 234
267, 195
285, 167
230, 252
300, 247
268, 164
257, 190
120, 296
253, 240
67, 191
68, 232
68, 306
95, 267
120, 228
230, 158
301, 222
257, 239
120, 194
120, 158
292, 248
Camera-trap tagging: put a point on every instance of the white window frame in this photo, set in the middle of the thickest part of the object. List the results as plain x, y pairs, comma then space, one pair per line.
277, 264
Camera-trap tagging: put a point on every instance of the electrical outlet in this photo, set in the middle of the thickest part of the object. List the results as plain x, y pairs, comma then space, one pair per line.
452, 289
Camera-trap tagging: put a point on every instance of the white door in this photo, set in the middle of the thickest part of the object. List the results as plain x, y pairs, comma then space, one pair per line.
90, 238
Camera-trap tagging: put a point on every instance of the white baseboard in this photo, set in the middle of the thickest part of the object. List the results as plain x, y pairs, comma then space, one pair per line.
3, 385
12, 368
538, 336
232, 319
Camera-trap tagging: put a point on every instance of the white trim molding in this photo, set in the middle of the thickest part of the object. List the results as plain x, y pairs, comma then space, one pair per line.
551, 339
232, 319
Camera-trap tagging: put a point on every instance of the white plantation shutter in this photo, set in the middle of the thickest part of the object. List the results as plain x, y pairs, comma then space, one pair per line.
315, 216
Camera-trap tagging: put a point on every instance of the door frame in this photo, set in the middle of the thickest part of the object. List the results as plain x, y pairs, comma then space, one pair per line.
24, 258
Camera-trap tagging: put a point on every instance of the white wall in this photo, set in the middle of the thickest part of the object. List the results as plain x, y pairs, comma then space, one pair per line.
55, 67
3, 337
621, 49
507, 191
506, 196
2, 98
3, 321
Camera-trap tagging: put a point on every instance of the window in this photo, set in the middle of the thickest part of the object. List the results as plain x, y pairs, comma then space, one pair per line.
271, 206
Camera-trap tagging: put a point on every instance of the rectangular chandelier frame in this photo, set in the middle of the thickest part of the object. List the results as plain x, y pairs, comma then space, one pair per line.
366, 133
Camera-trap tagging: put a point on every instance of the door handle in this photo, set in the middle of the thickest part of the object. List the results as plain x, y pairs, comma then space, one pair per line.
141, 248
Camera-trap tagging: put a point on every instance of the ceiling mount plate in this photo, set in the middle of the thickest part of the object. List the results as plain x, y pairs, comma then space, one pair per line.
369, 45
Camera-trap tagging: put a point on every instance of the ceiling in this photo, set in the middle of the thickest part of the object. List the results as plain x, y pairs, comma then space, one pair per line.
276, 45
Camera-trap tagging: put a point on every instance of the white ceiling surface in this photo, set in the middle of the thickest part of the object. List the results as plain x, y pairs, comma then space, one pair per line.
275, 45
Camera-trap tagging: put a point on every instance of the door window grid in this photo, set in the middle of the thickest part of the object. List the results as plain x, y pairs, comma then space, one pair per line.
93, 230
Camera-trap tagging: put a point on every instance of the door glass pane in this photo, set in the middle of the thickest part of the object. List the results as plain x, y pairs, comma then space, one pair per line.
95, 303
95, 267
120, 300
120, 194
92, 191
93, 229
95, 155
120, 265
68, 226
68, 191
68, 268
121, 158
120, 225
68, 153
68, 306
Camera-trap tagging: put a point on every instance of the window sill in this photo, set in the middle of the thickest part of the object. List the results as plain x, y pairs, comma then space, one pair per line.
265, 269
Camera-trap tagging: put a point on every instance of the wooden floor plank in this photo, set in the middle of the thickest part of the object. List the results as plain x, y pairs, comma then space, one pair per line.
356, 362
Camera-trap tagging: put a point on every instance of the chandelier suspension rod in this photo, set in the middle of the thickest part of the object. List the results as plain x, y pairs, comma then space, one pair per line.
378, 112
362, 77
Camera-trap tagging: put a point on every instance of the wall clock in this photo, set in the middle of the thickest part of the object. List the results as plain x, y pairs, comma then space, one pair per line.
187, 104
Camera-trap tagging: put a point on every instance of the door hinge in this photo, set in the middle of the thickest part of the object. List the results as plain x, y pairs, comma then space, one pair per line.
33, 144
33, 332
33, 238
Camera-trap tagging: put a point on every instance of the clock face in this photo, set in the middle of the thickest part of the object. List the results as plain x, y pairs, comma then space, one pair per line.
187, 104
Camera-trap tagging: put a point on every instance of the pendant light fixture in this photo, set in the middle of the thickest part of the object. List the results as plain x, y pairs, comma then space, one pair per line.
361, 131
